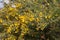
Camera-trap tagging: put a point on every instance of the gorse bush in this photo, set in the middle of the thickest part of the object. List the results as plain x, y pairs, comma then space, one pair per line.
30, 20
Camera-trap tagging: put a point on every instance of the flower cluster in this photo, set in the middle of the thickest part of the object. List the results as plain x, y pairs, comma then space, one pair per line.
21, 17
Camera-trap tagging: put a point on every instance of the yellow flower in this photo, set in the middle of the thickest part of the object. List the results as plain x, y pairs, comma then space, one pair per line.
49, 16
10, 8
1, 20
47, 3
7, 17
9, 30
41, 14
43, 25
18, 4
31, 19
22, 18
16, 23
46, 17
22, 34
16, 18
37, 19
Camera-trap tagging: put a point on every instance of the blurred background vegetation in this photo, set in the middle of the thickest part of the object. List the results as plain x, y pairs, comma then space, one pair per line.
29, 19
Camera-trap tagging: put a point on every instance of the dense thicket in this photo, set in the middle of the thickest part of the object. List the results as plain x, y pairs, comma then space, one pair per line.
30, 20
